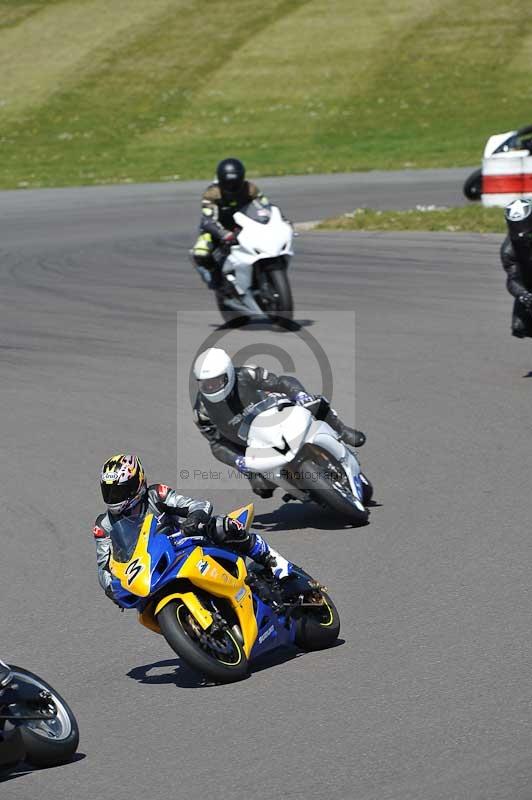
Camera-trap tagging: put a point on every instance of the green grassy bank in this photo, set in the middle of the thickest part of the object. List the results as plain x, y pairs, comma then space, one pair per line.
469, 219
95, 91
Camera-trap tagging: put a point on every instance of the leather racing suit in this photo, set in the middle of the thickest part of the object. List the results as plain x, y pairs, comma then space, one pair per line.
170, 508
516, 260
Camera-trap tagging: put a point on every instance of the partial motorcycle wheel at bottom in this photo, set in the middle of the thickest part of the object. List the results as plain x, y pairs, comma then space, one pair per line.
219, 657
51, 742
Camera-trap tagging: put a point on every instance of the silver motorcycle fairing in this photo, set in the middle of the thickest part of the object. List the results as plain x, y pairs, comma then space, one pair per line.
327, 439
277, 435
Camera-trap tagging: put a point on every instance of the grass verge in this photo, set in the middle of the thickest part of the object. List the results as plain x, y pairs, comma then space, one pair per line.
467, 219
98, 92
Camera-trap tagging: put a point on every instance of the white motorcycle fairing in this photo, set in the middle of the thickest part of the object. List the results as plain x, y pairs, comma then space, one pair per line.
276, 436
257, 241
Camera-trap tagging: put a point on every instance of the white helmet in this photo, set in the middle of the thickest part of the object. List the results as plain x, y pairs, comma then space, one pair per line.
216, 374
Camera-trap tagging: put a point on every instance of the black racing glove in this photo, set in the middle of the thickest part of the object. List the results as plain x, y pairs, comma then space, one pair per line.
224, 530
526, 300
195, 523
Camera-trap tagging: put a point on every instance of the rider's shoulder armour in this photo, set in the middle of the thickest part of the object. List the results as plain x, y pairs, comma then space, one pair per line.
252, 372
249, 370
157, 493
212, 194
253, 190
101, 527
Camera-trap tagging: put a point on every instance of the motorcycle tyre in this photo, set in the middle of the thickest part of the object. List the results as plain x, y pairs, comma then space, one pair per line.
320, 489
41, 751
473, 185
191, 652
317, 632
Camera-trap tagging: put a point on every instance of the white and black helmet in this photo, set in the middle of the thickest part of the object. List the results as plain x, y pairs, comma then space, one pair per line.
215, 373
518, 215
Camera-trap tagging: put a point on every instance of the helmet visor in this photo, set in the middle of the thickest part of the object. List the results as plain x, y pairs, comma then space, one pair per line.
115, 493
232, 184
213, 385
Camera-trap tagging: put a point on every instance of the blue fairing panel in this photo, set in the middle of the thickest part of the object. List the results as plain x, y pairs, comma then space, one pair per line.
273, 630
217, 552
243, 517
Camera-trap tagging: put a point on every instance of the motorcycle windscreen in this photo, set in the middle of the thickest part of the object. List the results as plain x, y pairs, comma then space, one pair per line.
124, 536
253, 411
257, 212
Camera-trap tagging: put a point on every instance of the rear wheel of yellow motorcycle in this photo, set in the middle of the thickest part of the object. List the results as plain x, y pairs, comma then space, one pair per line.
318, 628
220, 655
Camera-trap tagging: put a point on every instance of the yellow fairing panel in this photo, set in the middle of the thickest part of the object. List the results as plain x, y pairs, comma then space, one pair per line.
135, 576
206, 573
201, 614
246, 513
147, 619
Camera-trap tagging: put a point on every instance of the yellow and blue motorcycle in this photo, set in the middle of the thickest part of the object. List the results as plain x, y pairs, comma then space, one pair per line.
214, 613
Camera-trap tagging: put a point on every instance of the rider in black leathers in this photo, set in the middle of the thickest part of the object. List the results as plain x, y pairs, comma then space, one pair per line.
516, 257
221, 199
219, 421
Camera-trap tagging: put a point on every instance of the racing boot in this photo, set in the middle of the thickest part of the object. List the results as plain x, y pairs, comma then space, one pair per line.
349, 436
272, 561
352, 437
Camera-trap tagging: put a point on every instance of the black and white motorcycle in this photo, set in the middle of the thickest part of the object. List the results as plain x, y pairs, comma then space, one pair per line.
254, 272
36, 724
294, 449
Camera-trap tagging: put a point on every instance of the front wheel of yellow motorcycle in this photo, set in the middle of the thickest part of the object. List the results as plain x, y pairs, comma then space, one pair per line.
217, 654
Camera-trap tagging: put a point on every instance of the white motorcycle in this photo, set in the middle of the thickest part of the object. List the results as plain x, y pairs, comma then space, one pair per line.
255, 282
294, 449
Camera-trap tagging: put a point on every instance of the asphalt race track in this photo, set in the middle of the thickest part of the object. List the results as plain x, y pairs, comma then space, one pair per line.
427, 697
